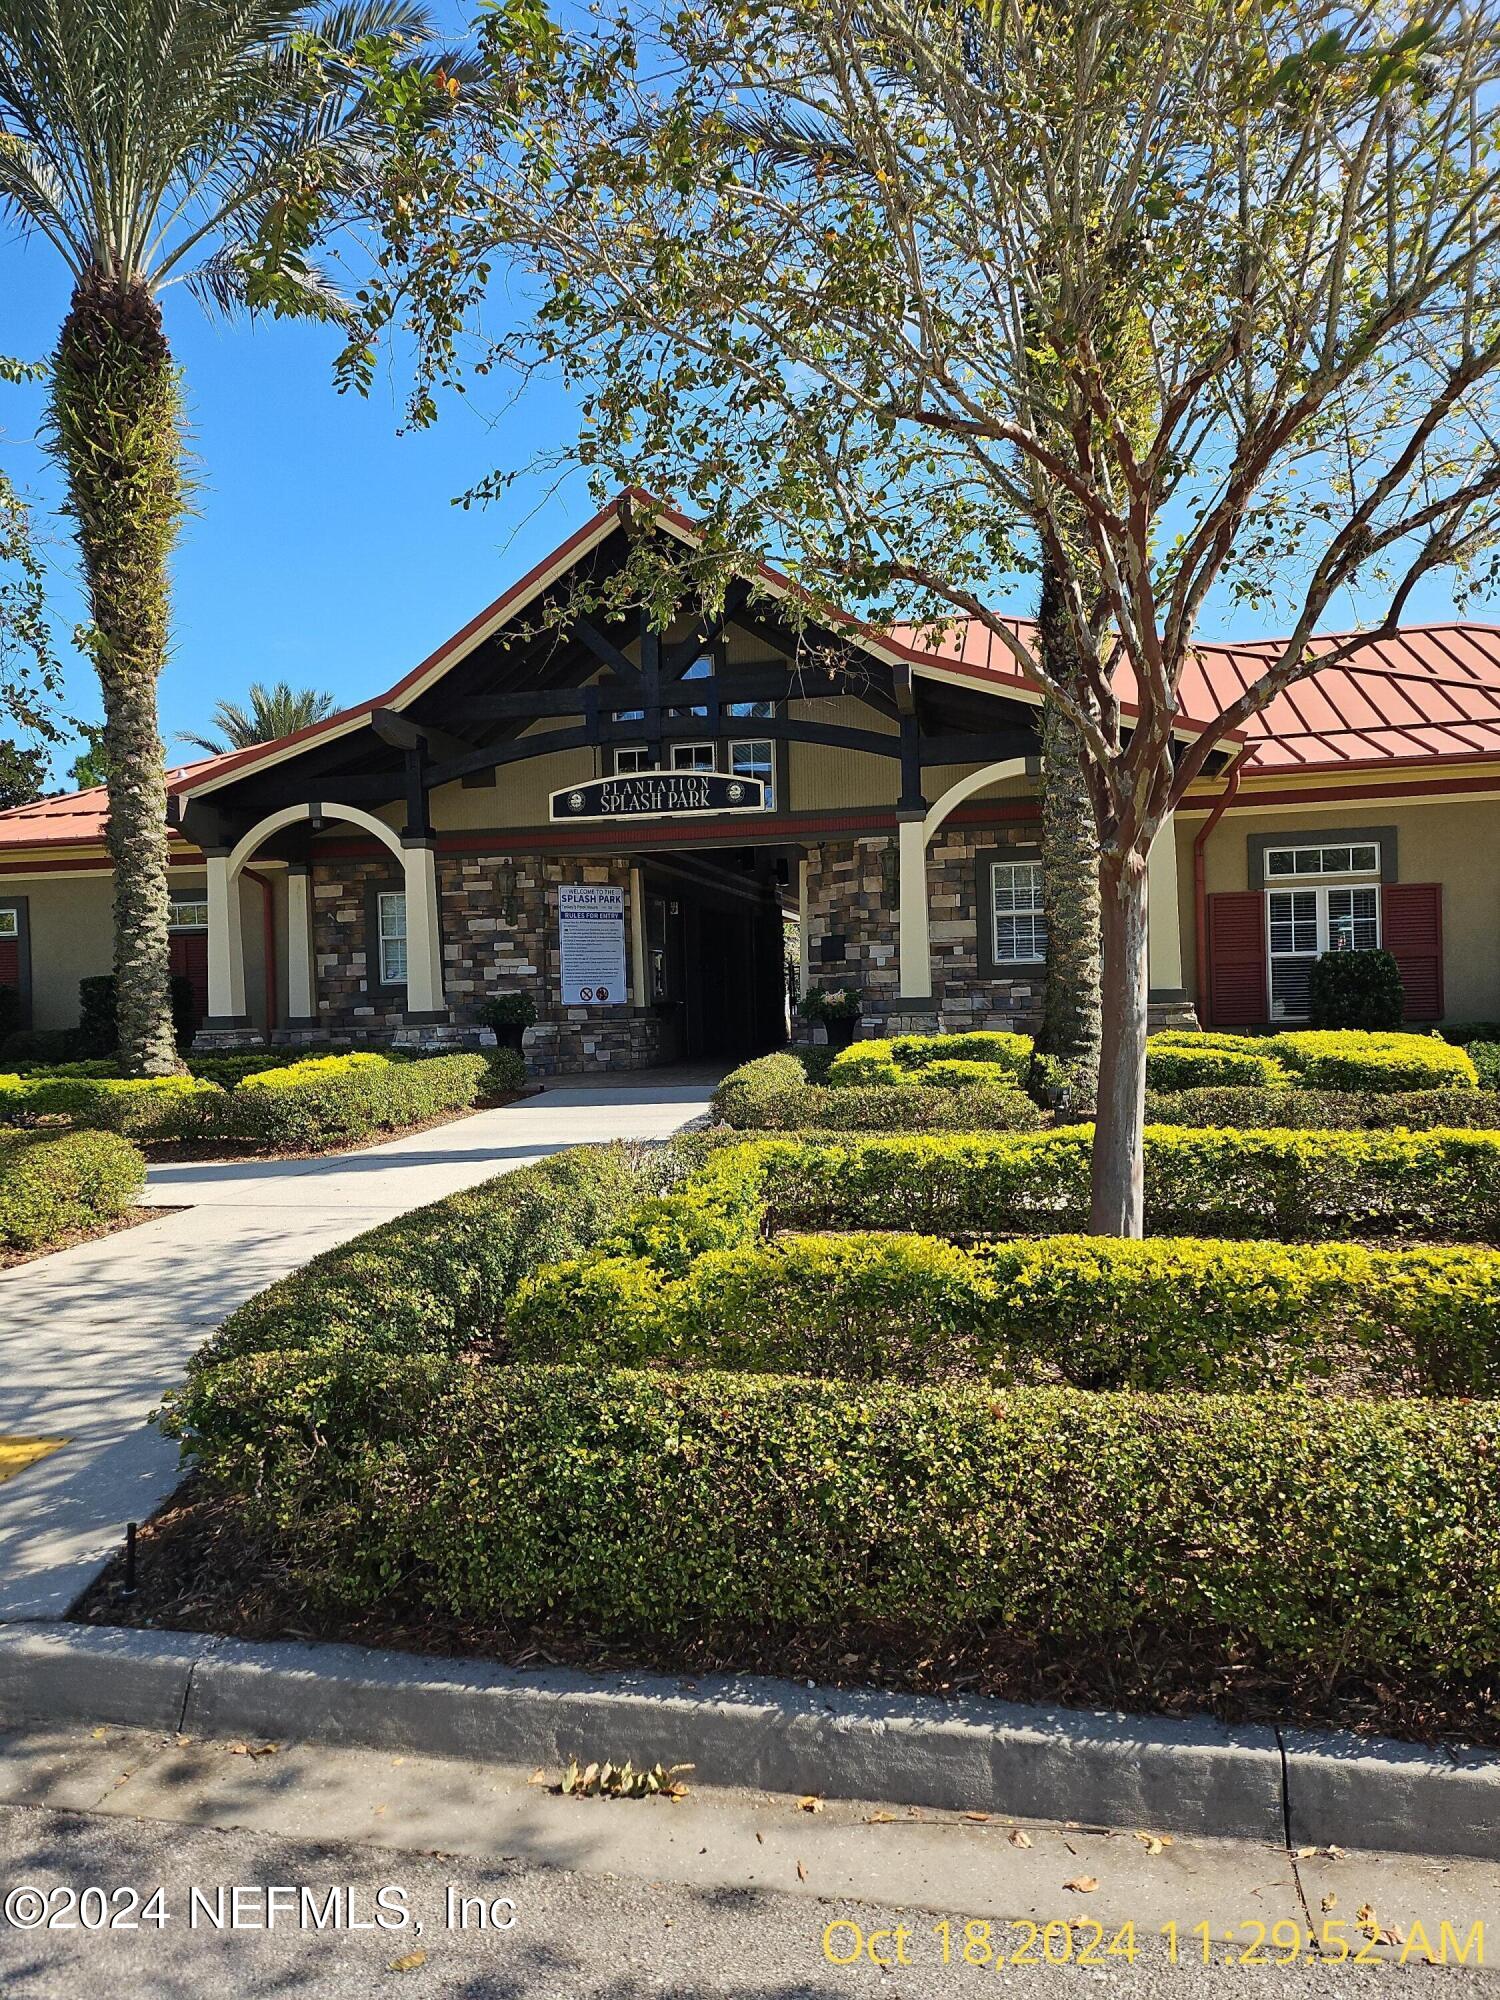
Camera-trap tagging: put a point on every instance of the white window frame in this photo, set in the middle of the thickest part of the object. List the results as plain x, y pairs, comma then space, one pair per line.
757, 743
1354, 873
1033, 912
1320, 890
632, 750
679, 748
10, 923
388, 899
177, 922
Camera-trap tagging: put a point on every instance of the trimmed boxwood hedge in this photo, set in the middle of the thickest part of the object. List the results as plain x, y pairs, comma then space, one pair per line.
319, 1101
1181, 1066
773, 1094
1294, 1185
53, 1184
1325, 1110
1340, 1536
1093, 1311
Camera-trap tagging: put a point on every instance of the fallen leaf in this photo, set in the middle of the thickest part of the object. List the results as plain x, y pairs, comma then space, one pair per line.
801, 1872
812, 1803
408, 1962
398, 1760
1084, 1884
980, 1819
253, 1749
1391, 1935
1328, 1902
1155, 1843
1306, 1853
1018, 1838
538, 1777
880, 1819
1334, 1853
99, 1735
1365, 1914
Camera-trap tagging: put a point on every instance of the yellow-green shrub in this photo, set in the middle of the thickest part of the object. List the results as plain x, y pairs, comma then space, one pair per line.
1180, 1066
985, 1045
157, 1107
772, 1094
1346, 1059
335, 1098
52, 1184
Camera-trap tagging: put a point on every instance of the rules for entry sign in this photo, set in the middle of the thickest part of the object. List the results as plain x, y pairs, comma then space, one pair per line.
591, 945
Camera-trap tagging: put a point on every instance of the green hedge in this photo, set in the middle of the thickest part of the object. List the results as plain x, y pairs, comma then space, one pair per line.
158, 1107
52, 1184
1338, 1059
1295, 1185
772, 1094
438, 1276
349, 1096
1179, 1066
1325, 1110
1485, 1057
1335, 1536
1092, 1311
1010, 1051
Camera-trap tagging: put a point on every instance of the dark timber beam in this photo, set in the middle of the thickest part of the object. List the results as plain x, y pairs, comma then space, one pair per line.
605, 651
404, 734
747, 684
676, 659
987, 747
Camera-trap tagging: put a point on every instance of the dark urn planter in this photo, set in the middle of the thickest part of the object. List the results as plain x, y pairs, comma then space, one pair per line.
840, 1029
511, 1035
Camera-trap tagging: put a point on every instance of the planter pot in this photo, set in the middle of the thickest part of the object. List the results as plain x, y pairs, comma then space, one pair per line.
840, 1029
510, 1036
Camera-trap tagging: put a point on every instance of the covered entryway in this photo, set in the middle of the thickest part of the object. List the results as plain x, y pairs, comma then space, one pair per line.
714, 940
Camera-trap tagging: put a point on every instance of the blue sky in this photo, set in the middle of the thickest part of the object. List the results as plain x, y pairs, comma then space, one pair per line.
325, 548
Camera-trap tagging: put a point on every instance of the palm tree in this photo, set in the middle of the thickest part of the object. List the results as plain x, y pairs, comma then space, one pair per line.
151, 143
273, 711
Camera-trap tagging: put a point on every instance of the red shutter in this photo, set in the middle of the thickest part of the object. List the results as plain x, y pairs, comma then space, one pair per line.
1237, 958
1411, 929
188, 959
10, 962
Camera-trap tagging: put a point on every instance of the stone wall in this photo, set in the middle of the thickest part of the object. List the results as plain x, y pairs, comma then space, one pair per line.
499, 927
852, 888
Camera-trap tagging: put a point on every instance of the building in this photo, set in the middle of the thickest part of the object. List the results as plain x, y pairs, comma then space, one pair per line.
617, 822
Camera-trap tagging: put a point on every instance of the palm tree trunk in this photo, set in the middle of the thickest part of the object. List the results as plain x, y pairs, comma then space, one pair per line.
1072, 1002
117, 432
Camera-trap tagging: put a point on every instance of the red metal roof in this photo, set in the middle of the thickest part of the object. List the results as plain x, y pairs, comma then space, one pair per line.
76, 818
1431, 691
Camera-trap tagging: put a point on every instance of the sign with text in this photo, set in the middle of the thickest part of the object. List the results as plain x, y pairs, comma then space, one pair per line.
591, 945
659, 795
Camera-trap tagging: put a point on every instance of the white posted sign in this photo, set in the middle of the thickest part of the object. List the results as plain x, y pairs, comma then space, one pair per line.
591, 937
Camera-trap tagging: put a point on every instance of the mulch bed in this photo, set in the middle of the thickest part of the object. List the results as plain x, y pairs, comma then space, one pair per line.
199, 1570
131, 1219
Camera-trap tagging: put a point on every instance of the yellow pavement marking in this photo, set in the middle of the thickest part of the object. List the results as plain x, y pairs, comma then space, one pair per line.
17, 1453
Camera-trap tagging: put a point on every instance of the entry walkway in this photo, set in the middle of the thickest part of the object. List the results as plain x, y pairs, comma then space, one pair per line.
92, 1338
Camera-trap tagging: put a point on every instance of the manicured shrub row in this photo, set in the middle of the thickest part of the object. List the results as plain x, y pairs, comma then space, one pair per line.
1095, 1312
1181, 1066
1336, 1058
326, 1100
1332, 1535
1325, 1110
166, 1107
54, 1184
1485, 1057
1295, 1185
346, 1097
773, 1094
439, 1276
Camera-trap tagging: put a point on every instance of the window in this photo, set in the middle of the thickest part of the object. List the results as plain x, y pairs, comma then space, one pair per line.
755, 757
187, 913
1363, 858
1016, 909
391, 907
1302, 925
10, 923
701, 670
633, 757
692, 756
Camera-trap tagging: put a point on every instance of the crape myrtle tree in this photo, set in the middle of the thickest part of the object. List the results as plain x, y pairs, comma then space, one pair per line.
153, 143
899, 372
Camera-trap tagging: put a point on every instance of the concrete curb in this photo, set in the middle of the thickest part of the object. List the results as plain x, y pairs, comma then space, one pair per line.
1101, 1768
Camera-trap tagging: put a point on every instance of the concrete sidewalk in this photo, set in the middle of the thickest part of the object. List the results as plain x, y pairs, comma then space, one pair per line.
91, 1338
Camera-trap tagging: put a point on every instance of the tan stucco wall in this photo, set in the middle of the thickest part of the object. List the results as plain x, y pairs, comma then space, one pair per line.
72, 929
1452, 841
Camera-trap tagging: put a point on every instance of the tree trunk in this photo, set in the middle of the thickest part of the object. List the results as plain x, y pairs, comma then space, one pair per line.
1070, 898
116, 430
1117, 1205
